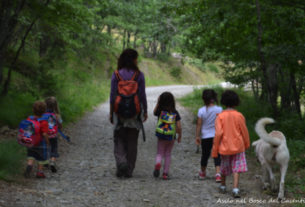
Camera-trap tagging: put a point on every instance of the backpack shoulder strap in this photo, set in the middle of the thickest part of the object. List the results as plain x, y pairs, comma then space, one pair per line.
118, 75
135, 75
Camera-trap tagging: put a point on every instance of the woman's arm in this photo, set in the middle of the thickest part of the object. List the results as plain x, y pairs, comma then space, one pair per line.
113, 92
179, 130
198, 130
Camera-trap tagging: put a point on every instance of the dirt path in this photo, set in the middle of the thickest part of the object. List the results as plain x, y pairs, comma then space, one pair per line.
87, 169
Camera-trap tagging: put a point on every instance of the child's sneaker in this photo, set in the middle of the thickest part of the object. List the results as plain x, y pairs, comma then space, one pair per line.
218, 178
165, 176
40, 175
157, 170
222, 189
201, 175
235, 192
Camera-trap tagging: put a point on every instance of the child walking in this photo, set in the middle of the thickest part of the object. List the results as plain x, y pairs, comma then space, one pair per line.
231, 141
39, 152
55, 123
205, 131
168, 125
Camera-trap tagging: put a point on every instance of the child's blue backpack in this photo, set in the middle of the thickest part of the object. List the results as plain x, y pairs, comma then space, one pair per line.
29, 132
52, 122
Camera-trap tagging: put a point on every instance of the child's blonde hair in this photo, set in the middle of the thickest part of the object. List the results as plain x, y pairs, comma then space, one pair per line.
52, 105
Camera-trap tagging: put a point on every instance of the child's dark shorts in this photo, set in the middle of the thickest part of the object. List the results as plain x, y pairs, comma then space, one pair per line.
54, 147
39, 153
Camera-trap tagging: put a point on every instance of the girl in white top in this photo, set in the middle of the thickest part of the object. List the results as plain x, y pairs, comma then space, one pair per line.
205, 131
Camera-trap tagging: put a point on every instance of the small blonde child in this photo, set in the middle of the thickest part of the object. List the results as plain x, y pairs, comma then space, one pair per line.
231, 141
52, 107
168, 125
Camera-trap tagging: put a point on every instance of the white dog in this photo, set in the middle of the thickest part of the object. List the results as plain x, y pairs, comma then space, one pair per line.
271, 148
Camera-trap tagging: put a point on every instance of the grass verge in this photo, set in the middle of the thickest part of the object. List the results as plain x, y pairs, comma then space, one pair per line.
11, 159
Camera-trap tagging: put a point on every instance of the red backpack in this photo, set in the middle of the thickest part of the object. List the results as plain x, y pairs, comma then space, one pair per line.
29, 132
127, 104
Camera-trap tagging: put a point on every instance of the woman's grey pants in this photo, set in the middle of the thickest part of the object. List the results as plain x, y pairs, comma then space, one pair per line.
126, 147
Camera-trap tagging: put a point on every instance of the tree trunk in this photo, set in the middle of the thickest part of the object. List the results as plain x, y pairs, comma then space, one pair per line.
285, 89
124, 40
109, 30
272, 85
43, 45
296, 94
154, 48
8, 22
135, 40
128, 39
1, 68
12, 66
163, 47
267, 88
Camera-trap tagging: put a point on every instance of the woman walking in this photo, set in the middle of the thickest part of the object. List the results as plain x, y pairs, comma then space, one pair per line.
128, 108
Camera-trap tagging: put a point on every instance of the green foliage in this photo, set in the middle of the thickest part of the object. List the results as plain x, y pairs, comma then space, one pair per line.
11, 157
21, 103
163, 57
212, 67
247, 37
176, 72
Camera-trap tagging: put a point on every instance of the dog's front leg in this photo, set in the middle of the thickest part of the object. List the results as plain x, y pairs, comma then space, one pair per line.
284, 167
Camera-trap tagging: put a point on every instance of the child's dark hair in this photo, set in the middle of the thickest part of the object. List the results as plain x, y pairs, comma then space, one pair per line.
209, 96
39, 108
229, 98
166, 102
52, 105
127, 59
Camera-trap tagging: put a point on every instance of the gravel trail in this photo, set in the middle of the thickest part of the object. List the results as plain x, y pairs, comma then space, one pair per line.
86, 174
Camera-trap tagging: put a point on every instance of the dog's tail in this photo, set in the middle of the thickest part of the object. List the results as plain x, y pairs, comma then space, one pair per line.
263, 134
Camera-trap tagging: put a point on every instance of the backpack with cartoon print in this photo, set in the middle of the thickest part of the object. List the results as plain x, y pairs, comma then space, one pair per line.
29, 132
166, 127
52, 124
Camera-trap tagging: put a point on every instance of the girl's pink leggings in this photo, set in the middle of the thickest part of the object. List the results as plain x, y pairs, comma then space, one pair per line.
164, 151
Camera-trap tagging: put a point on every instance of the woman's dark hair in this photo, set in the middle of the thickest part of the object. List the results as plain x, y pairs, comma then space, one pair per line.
127, 59
209, 96
166, 102
229, 98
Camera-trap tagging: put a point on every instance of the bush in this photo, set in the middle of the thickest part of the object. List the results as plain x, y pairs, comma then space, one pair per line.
176, 72
15, 107
213, 68
11, 157
163, 57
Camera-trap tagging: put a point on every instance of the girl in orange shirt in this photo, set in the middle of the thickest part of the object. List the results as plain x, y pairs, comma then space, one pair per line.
231, 141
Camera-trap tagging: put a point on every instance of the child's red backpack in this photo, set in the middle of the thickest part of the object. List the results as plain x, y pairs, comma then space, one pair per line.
127, 104
52, 123
29, 132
